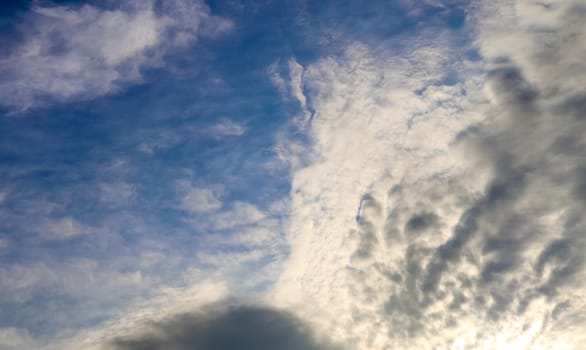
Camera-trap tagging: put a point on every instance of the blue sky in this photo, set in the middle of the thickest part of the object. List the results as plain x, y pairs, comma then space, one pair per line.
343, 167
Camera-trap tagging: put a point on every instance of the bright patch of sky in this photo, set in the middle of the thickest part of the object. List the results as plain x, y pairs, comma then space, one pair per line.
356, 174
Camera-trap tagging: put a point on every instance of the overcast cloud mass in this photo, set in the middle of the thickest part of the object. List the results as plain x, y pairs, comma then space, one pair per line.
292, 175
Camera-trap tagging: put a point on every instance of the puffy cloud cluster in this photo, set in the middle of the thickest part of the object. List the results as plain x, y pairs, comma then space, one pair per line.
469, 232
72, 52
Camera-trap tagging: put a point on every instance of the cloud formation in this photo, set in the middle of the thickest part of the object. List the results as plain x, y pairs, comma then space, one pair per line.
15, 339
436, 198
63, 228
469, 234
201, 200
83, 51
221, 327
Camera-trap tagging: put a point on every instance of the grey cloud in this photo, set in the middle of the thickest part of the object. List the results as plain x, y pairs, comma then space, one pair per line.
520, 241
555, 253
511, 88
222, 327
367, 236
573, 106
368, 242
515, 173
421, 222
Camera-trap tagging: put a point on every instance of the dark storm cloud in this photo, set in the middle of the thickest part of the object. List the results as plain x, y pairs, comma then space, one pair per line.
218, 327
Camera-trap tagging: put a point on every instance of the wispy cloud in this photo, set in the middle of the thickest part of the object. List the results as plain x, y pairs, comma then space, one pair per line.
83, 51
116, 193
201, 200
227, 127
62, 228
274, 73
240, 214
76, 278
291, 86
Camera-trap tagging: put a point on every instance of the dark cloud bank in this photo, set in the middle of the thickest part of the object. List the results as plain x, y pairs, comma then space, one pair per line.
221, 327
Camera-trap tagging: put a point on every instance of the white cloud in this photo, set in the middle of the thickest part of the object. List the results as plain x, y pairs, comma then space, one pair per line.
469, 198
373, 126
240, 214
292, 87
296, 72
256, 236
201, 200
162, 141
229, 261
276, 78
116, 193
241, 244
234, 237
63, 228
78, 278
227, 128
72, 52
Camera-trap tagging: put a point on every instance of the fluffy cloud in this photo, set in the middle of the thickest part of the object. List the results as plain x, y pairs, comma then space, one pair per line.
468, 233
71, 52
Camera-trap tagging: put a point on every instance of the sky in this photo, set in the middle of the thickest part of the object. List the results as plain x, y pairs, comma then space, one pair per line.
292, 174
